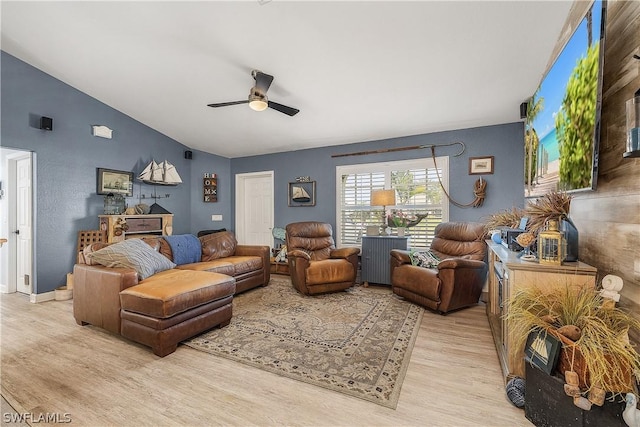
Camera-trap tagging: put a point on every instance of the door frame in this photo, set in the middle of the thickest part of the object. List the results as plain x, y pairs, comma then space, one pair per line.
240, 183
8, 260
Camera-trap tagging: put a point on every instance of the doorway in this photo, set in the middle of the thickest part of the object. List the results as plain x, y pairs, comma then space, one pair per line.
254, 208
16, 210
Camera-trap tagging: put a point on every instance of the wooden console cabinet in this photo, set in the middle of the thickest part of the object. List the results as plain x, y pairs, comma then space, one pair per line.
137, 226
507, 274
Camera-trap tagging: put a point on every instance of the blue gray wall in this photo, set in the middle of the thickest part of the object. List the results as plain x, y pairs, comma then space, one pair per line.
67, 158
200, 211
504, 187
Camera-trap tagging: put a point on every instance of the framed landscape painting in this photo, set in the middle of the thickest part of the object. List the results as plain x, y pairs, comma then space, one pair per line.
114, 181
481, 165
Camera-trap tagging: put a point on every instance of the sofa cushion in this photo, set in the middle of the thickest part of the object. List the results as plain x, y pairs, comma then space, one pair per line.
132, 253
218, 245
416, 280
244, 264
426, 259
96, 246
329, 271
175, 291
160, 245
221, 266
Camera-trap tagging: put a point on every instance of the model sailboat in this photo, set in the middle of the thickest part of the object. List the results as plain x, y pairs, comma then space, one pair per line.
163, 173
300, 195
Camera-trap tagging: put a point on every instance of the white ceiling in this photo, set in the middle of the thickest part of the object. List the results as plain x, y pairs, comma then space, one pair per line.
358, 71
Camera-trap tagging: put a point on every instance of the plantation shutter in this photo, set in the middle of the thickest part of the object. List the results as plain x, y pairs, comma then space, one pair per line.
417, 192
356, 210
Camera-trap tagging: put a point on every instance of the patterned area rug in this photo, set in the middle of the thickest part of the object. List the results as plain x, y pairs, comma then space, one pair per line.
356, 342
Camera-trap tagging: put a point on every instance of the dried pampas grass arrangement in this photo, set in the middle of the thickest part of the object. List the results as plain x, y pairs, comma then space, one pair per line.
553, 205
611, 362
506, 218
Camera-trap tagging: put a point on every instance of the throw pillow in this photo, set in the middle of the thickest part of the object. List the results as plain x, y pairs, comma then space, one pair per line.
426, 259
132, 253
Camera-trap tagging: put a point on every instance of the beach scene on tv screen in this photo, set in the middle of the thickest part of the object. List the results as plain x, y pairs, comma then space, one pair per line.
560, 128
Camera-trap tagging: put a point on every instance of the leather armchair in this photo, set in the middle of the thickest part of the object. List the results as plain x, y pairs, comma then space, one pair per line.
315, 265
457, 281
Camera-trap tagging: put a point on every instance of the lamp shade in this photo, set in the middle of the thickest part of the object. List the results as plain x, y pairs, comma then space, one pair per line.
383, 197
258, 104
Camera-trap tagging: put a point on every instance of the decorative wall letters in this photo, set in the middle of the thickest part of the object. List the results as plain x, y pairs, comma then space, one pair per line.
210, 187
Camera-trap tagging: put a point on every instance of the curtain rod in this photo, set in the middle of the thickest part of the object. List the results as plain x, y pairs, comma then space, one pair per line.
413, 147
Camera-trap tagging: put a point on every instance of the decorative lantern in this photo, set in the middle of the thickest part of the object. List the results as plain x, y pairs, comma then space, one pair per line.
114, 204
551, 244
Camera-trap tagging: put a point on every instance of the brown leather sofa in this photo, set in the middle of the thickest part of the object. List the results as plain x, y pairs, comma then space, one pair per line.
172, 305
315, 265
457, 281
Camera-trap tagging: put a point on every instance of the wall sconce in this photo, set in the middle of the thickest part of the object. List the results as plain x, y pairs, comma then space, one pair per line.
101, 131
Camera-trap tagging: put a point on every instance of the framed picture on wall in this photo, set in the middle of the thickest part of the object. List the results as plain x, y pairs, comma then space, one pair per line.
114, 181
302, 193
480, 165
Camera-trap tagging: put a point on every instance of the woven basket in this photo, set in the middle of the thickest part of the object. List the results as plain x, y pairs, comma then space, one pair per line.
571, 359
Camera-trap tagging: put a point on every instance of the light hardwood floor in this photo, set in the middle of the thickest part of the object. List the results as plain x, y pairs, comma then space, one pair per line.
50, 364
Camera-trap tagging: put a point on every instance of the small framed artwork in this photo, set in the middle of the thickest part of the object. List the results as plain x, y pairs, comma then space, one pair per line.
480, 165
116, 182
210, 188
542, 349
302, 193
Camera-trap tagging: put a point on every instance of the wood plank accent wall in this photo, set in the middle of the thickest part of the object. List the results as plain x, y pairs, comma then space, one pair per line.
608, 219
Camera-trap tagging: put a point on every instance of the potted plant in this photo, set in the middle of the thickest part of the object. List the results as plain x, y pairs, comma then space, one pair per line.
594, 335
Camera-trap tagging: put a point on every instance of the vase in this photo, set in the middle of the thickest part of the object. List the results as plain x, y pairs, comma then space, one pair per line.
401, 231
571, 237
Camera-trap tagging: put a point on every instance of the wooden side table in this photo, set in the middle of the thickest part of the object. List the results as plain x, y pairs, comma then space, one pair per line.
279, 267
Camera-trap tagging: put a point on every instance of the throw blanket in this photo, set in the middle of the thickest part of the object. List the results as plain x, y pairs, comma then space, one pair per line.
186, 248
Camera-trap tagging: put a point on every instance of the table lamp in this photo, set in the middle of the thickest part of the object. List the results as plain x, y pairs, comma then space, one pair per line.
383, 198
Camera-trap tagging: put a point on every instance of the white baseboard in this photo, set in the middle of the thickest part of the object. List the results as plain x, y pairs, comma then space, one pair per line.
4, 289
47, 296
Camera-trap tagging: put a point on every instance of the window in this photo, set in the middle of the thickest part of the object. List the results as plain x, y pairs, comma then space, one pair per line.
417, 192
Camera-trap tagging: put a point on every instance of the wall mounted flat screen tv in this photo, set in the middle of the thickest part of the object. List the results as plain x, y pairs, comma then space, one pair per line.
562, 128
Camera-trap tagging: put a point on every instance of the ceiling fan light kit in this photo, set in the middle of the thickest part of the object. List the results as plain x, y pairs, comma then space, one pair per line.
258, 100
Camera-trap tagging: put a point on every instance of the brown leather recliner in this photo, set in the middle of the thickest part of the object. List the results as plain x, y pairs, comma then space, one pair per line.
457, 281
315, 265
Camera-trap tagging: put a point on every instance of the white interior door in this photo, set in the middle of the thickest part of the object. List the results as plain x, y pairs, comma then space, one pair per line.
254, 208
23, 228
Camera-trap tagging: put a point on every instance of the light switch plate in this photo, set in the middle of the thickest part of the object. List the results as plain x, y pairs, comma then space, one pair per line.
216, 217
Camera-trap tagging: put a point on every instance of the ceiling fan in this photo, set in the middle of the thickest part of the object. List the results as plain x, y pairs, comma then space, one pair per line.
258, 100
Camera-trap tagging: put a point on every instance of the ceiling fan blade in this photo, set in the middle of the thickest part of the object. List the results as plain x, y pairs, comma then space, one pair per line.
224, 104
263, 81
283, 108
